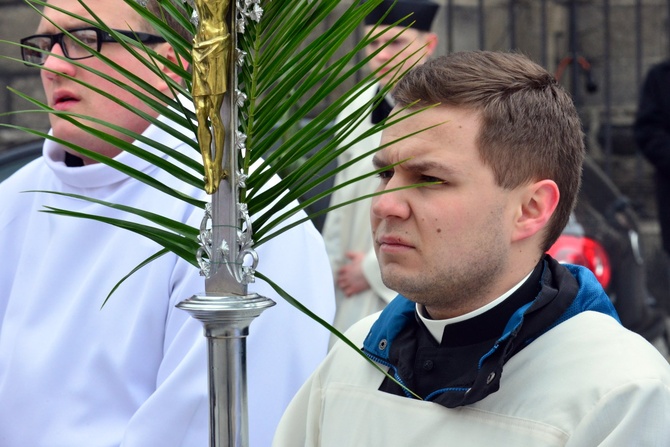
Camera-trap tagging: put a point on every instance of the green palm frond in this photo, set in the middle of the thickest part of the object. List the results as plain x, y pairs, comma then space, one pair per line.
296, 84
292, 72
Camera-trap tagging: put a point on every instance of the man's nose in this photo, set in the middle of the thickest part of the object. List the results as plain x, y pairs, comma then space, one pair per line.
386, 54
391, 204
56, 61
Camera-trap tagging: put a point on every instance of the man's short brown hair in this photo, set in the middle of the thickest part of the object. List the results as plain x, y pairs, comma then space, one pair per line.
530, 128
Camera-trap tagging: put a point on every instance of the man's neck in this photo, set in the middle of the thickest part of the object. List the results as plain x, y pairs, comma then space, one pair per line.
436, 327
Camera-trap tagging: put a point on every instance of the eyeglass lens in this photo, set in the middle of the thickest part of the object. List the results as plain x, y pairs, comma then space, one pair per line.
87, 39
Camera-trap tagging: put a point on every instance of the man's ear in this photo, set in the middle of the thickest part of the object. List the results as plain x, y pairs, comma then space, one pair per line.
538, 203
169, 53
431, 43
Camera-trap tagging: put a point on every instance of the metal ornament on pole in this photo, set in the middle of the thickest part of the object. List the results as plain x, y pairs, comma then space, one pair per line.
226, 256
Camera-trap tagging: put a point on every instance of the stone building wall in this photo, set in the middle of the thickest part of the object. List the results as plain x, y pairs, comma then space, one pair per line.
17, 20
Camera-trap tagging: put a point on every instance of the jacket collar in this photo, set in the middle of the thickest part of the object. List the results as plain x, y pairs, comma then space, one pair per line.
565, 292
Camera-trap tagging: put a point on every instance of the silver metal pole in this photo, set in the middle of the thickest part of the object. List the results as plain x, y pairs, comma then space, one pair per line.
226, 256
226, 323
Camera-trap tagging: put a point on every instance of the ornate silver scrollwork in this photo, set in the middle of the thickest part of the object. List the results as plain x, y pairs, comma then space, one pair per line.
247, 259
240, 98
247, 253
244, 235
204, 253
240, 57
242, 180
240, 141
241, 25
243, 267
248, 10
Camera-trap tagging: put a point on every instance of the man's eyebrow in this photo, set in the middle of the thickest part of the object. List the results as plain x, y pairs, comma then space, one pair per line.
378, 162
415, 165
50, 28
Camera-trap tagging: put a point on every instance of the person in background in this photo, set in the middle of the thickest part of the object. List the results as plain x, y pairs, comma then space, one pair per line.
134, 372
359, 290
491, 342
652, 135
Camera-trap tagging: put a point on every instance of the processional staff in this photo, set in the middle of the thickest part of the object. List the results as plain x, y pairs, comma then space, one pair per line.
226, 256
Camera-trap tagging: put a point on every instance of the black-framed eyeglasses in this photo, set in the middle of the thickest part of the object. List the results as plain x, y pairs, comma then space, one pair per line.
77, 44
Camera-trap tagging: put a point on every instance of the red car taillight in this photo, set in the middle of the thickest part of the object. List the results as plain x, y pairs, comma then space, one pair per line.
583, 251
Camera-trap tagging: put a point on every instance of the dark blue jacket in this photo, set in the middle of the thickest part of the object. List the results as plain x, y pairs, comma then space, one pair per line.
461, 373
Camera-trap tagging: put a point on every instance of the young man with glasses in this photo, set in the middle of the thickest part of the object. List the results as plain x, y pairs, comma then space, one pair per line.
133, 373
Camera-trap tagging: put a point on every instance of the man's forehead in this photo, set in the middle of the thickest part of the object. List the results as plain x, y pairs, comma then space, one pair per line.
418, 162
431, 135
418, 118
398, 148
392, 31
407, 124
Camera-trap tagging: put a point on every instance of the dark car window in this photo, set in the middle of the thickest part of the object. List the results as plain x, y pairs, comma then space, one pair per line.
13, 159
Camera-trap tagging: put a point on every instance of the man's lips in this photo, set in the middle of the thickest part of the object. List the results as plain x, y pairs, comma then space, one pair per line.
63, 100
392, 244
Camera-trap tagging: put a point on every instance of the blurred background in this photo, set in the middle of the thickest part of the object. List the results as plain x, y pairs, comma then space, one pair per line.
600, 50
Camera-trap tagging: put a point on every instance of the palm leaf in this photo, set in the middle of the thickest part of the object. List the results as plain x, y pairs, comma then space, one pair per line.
149, 260
297, 304
181, 246
292, 70
176, 227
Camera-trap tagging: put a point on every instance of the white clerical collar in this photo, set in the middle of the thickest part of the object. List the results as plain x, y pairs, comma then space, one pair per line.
436, 327
390, 100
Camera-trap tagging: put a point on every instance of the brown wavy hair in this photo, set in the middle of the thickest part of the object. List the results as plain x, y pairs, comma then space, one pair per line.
530, 128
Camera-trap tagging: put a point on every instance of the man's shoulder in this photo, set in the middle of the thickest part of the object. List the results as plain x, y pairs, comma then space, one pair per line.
594, 349
588, 366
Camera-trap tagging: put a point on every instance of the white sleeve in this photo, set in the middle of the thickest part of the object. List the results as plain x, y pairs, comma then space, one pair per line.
283, 348
304, 419
177, 412
286, 346
300, 424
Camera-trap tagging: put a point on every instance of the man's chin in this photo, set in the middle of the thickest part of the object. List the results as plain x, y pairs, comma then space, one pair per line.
392, 277
66, 131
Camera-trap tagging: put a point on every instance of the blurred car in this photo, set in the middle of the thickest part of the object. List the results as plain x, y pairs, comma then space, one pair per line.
12, 159
603, 235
